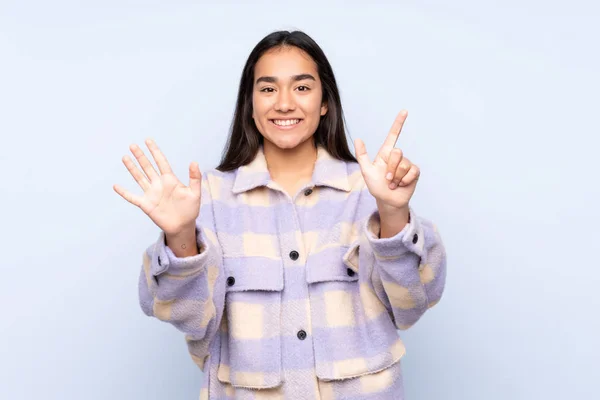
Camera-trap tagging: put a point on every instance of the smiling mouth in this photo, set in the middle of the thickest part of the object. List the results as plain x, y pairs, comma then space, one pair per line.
286, 123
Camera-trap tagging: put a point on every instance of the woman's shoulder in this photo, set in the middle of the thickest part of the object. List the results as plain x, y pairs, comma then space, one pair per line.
214, 176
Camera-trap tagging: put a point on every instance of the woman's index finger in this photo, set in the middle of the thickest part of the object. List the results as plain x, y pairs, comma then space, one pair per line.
394, 133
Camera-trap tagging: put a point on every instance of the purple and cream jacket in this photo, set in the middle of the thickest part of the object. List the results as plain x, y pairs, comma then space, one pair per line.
295, 297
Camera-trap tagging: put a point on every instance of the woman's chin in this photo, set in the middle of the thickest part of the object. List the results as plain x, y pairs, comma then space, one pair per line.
287, 143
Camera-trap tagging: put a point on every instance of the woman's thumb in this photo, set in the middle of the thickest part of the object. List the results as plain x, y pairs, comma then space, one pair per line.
361, 153
195, 177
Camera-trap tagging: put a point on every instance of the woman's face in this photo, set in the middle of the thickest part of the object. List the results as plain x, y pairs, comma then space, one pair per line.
287, 97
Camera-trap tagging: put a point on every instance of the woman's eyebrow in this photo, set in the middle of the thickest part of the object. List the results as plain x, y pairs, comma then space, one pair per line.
295, 78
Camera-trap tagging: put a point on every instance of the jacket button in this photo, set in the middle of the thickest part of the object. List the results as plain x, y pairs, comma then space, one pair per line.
230, 281
308, 192
415, 238
294, 255
301, 334
159, 263
350, 272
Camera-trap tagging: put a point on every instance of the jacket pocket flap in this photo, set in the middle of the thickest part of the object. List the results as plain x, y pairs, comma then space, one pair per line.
329, 265
355, 367
350, 257
253, 273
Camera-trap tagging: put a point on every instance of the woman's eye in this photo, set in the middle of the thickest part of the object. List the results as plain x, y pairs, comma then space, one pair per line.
303, 88
267, 89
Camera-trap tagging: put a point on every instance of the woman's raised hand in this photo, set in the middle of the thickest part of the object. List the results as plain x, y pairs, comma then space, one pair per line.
172, 206
391, 178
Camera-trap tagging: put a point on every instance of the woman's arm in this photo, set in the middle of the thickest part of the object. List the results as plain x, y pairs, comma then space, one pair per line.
185, 289
408, 268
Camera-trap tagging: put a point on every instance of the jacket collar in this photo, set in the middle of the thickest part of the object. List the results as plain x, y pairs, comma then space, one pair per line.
328, 171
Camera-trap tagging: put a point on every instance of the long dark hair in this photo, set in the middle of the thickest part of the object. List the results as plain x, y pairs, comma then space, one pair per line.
244, 138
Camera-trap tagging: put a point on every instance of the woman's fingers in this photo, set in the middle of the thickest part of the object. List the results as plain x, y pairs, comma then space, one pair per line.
412, 175
130, 197
159, 158
149, 170
136, 173
393, 134
393, 160
195, 178
400, 172
361, 154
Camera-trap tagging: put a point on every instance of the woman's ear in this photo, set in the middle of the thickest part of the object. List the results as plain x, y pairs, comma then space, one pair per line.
323, 109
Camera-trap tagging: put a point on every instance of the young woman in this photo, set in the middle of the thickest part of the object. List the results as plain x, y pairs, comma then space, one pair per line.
291, 266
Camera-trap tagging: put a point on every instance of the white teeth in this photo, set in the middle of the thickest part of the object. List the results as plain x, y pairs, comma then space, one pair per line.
285, 122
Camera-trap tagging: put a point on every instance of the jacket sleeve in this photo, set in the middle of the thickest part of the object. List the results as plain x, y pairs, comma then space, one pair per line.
187, 292
408, 270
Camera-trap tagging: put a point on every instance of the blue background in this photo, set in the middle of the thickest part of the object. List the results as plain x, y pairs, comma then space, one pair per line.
503, 121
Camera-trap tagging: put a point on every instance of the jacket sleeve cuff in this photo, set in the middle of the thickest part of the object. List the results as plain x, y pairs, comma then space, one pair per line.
411, 238
165, 260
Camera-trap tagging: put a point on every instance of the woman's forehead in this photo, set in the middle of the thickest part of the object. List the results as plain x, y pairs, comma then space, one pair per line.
285, 62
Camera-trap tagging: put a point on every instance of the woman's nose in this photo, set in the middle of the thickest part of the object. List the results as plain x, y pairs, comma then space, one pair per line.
285, 102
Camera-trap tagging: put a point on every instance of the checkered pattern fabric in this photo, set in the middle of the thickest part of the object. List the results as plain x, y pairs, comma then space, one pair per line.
295, 297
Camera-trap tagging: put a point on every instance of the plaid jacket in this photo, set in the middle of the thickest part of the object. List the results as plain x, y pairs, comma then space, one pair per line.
295, 298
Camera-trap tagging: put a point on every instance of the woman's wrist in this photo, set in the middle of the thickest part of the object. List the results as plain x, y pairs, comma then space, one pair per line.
183, 243
392, 220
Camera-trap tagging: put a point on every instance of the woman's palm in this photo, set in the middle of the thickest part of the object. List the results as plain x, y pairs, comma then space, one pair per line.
170, 204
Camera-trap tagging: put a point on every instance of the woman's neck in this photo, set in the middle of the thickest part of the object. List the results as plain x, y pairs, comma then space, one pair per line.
291, 168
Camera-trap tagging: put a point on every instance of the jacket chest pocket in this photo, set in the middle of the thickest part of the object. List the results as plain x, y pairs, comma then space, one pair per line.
250, 337
352, 329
